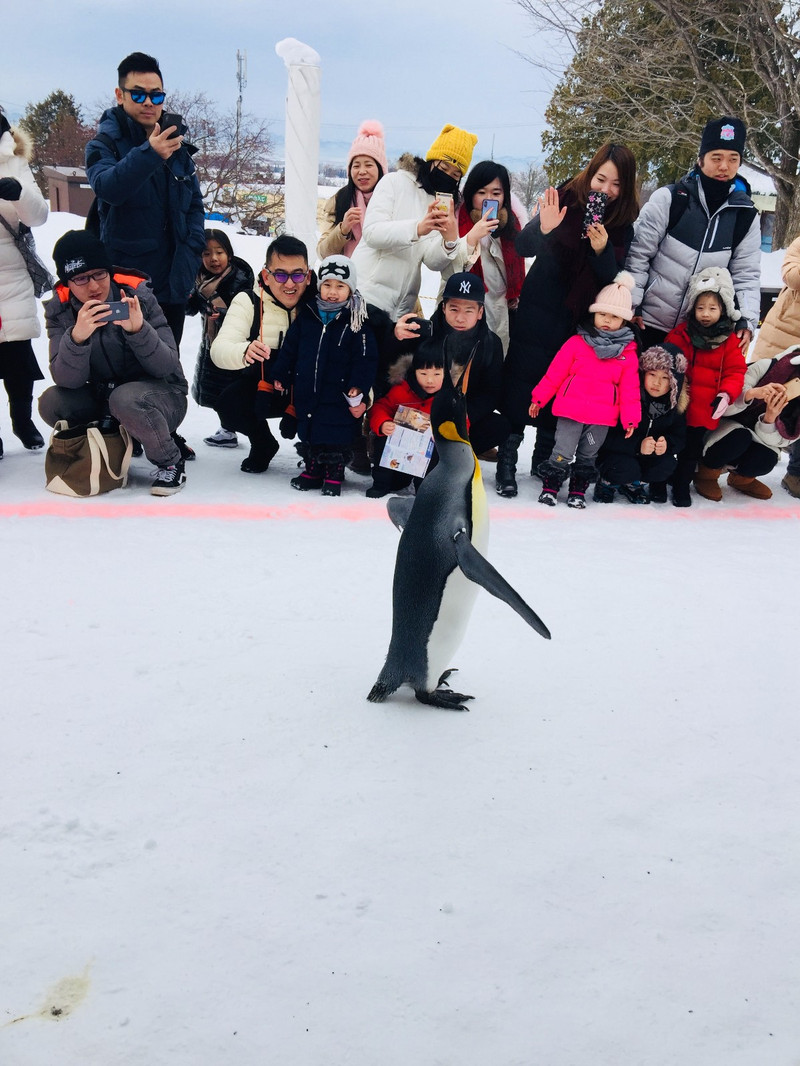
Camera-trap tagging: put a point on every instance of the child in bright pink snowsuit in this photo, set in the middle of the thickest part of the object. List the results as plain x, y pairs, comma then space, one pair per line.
595, 380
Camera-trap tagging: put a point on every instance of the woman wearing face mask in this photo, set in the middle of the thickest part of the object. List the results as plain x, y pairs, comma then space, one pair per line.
487, 241
344, 212
410, 221
575, 257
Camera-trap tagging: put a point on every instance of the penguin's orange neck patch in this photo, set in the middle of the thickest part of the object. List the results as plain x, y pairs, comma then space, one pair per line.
449, 432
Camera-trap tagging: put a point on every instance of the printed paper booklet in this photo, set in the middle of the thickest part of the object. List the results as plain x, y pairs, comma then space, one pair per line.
409, 449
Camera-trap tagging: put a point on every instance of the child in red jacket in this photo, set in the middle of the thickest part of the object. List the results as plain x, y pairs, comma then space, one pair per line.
416, 390
715, 375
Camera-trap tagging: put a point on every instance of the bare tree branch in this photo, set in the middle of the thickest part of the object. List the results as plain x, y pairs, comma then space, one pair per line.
651, 74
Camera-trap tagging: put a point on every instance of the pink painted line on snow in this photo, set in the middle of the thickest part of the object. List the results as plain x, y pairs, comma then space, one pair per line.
221, 512
340, 511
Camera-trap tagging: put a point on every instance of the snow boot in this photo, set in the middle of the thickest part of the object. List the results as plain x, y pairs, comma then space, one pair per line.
604, 492
658, 492
312, 477
359, 462
20, 404
553, 476
706, 483
750, 486
579, 481
681, 496
505, 479
333, 478
634, 492
791, 483
260, 456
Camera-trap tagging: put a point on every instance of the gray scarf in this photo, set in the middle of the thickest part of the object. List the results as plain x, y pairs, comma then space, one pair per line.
607, 345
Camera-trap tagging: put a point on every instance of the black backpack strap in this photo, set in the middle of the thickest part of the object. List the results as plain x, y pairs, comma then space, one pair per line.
677, 207
744, 220
92, 224
255, 299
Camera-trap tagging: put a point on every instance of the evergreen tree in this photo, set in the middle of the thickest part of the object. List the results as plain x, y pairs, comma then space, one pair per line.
59, 135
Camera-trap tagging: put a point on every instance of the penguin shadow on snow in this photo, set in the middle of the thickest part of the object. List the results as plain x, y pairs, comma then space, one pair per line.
441, 561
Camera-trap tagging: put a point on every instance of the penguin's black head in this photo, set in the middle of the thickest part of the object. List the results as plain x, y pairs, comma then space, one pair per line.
449, 407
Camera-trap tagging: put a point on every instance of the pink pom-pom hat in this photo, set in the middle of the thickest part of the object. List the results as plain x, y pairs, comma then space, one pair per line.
369, 141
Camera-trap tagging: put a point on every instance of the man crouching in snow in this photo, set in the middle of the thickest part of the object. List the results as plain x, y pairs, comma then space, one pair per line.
128, 368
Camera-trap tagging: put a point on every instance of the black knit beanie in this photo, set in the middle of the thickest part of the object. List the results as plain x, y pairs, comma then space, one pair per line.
78, 252
726, 133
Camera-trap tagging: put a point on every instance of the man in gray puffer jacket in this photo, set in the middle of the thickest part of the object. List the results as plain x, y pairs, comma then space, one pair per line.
706, 219
128, 368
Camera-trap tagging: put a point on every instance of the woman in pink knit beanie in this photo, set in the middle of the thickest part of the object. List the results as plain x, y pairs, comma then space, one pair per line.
344, 212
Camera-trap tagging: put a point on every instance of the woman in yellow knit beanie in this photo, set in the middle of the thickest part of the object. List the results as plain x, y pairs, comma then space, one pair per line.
411, 220
454, 146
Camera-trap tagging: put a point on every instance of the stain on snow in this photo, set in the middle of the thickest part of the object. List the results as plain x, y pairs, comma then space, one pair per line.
60, 1000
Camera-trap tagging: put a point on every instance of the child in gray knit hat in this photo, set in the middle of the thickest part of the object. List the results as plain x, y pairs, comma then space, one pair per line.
715, 375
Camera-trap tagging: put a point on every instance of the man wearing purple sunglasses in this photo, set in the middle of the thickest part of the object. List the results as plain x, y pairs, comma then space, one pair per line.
149, 204
252, 331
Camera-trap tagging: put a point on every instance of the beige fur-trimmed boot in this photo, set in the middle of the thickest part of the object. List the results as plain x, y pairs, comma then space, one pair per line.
706, 482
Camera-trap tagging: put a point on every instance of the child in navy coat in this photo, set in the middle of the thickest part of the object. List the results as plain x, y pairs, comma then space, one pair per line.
638, 466
329, 359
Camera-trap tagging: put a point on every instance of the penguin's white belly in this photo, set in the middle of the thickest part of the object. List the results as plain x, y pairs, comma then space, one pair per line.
458, 597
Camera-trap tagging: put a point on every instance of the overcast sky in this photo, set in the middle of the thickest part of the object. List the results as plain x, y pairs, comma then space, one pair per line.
413, 65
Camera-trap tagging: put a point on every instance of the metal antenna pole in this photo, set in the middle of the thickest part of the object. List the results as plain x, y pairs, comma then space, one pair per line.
241, 78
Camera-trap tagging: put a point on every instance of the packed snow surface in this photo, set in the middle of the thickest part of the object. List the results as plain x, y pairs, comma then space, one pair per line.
215, 852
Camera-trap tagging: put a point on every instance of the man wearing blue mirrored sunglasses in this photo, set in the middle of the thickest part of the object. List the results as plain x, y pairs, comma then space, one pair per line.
149, 204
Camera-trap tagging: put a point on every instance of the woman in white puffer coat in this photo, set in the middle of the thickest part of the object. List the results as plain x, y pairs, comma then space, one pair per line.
407, 223
20, 202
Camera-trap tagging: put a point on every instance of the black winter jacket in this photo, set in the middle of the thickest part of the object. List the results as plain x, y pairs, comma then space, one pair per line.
209, 380
562, 282
151, 210
321, 363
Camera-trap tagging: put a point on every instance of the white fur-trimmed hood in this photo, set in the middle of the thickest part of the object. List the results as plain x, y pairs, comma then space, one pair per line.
16, 142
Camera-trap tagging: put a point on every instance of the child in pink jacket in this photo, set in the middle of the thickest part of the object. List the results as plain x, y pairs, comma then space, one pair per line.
595, 380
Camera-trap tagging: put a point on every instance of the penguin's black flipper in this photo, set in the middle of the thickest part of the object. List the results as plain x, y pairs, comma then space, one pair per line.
480, 570
399, 508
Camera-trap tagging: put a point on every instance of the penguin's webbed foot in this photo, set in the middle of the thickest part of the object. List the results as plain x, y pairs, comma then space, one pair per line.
450, 701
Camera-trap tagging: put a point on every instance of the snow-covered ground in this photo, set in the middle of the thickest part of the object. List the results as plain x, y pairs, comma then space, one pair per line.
215, 852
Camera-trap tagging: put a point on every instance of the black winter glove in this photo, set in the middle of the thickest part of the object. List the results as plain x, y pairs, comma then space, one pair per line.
288, 427
10, 189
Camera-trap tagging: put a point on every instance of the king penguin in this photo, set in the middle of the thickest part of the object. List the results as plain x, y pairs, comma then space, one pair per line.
440, 562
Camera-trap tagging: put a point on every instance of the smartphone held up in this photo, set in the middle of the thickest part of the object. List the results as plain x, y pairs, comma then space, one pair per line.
119, 311
444, 203
492, 207
595, 210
